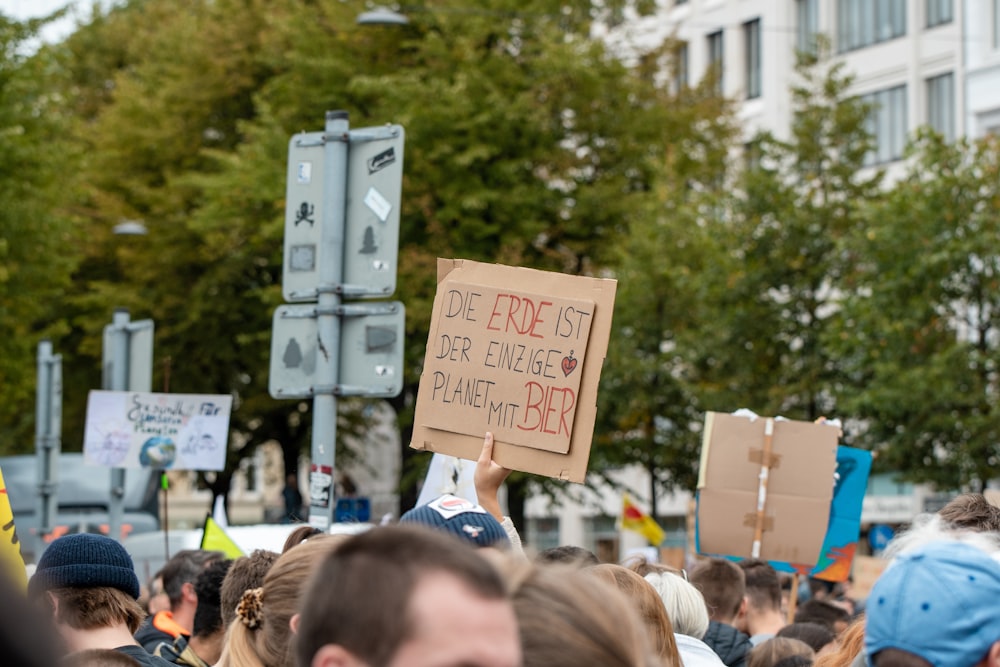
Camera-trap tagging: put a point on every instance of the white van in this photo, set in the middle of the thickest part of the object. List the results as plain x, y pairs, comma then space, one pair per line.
150, 551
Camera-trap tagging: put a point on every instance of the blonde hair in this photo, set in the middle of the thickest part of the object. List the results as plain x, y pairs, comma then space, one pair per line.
684, 603
852, 643
567, 618
647, 602
260, 635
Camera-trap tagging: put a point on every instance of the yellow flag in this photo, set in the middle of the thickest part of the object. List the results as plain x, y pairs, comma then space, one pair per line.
214, 538
635, 519
10, 546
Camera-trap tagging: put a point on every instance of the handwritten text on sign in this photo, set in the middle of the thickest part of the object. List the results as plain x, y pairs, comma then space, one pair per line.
508, 362
127, 429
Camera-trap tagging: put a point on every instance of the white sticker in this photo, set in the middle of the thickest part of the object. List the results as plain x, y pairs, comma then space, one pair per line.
384, 371
304, 173
379, 205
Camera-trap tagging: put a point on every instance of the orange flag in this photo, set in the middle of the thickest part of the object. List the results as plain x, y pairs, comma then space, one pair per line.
10, 546
635, 519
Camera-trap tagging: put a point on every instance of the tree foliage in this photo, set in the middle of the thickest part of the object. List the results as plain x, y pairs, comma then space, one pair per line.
920, 329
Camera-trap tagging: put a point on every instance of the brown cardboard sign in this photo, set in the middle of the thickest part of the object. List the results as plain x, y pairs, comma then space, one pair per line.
765, 480
517, 352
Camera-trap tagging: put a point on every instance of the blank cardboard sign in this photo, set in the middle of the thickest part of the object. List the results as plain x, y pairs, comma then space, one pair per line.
798, 487
517, 352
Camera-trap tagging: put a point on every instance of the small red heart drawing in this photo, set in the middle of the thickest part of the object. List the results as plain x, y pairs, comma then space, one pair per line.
569, 364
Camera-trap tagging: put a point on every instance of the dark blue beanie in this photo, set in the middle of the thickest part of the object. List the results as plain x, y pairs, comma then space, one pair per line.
462, 518
83, 560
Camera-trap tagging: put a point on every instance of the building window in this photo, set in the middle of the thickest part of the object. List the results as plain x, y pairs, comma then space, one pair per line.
600, 535
941, 105
862, 23
751, 40
681, 66
543, 533
938, 12
887, 124
715, 57
807, 13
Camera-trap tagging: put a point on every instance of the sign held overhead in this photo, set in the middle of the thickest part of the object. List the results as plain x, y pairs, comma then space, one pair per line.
517, 352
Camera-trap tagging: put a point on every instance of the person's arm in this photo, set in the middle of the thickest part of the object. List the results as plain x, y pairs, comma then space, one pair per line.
488, 478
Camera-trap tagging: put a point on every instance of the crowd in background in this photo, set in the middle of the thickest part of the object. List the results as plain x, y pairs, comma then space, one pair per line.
451, 586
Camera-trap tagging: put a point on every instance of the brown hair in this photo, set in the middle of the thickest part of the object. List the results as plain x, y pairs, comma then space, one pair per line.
245, 573
971, 511
852, 643
300, 535
772, 651
723, 585
260, 636
763, 587
647, 602
567, 618
359, 596
93, 608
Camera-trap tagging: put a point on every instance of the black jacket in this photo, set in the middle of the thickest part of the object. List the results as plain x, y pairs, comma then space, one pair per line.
731, 645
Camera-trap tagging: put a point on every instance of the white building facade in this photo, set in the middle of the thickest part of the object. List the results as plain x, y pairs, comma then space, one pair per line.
929, 63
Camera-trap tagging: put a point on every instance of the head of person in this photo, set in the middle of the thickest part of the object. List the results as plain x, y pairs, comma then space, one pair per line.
851, 644
27, 637
647, 603
158, 600
462, 518
569, 555
820, 638
406, 595
246, 573
723, 585
260, 635
684, 603
208, 631
88, 582
763, 585
300, 535
180, 572
781, 652
823, 612
971, 511
568, 618
936, 605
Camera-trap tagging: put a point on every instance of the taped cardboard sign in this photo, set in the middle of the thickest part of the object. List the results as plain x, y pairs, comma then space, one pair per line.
738, 460
517, 352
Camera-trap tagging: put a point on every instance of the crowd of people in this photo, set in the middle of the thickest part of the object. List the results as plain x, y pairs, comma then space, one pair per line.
451, 586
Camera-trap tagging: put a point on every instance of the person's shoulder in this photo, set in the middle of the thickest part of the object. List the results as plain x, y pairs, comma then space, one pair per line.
140, 655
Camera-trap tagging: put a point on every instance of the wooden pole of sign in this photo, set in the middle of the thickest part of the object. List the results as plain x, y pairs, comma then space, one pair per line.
793, 598
765, 468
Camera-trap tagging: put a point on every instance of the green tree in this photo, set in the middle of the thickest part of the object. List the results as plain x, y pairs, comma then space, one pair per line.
919, 332
799, 198
648, 411
37, 247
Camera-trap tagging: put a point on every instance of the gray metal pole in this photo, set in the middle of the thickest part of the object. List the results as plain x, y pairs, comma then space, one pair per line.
119, 382
48, 425
322, 484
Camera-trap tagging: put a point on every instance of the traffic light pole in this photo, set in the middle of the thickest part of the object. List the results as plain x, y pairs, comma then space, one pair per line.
322, 484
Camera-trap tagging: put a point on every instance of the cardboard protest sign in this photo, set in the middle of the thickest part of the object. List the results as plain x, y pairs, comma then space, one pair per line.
765, 483
844, 529
129, 429
517, 352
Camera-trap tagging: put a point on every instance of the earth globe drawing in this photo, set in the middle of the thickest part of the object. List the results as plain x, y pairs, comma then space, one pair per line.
158, 452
